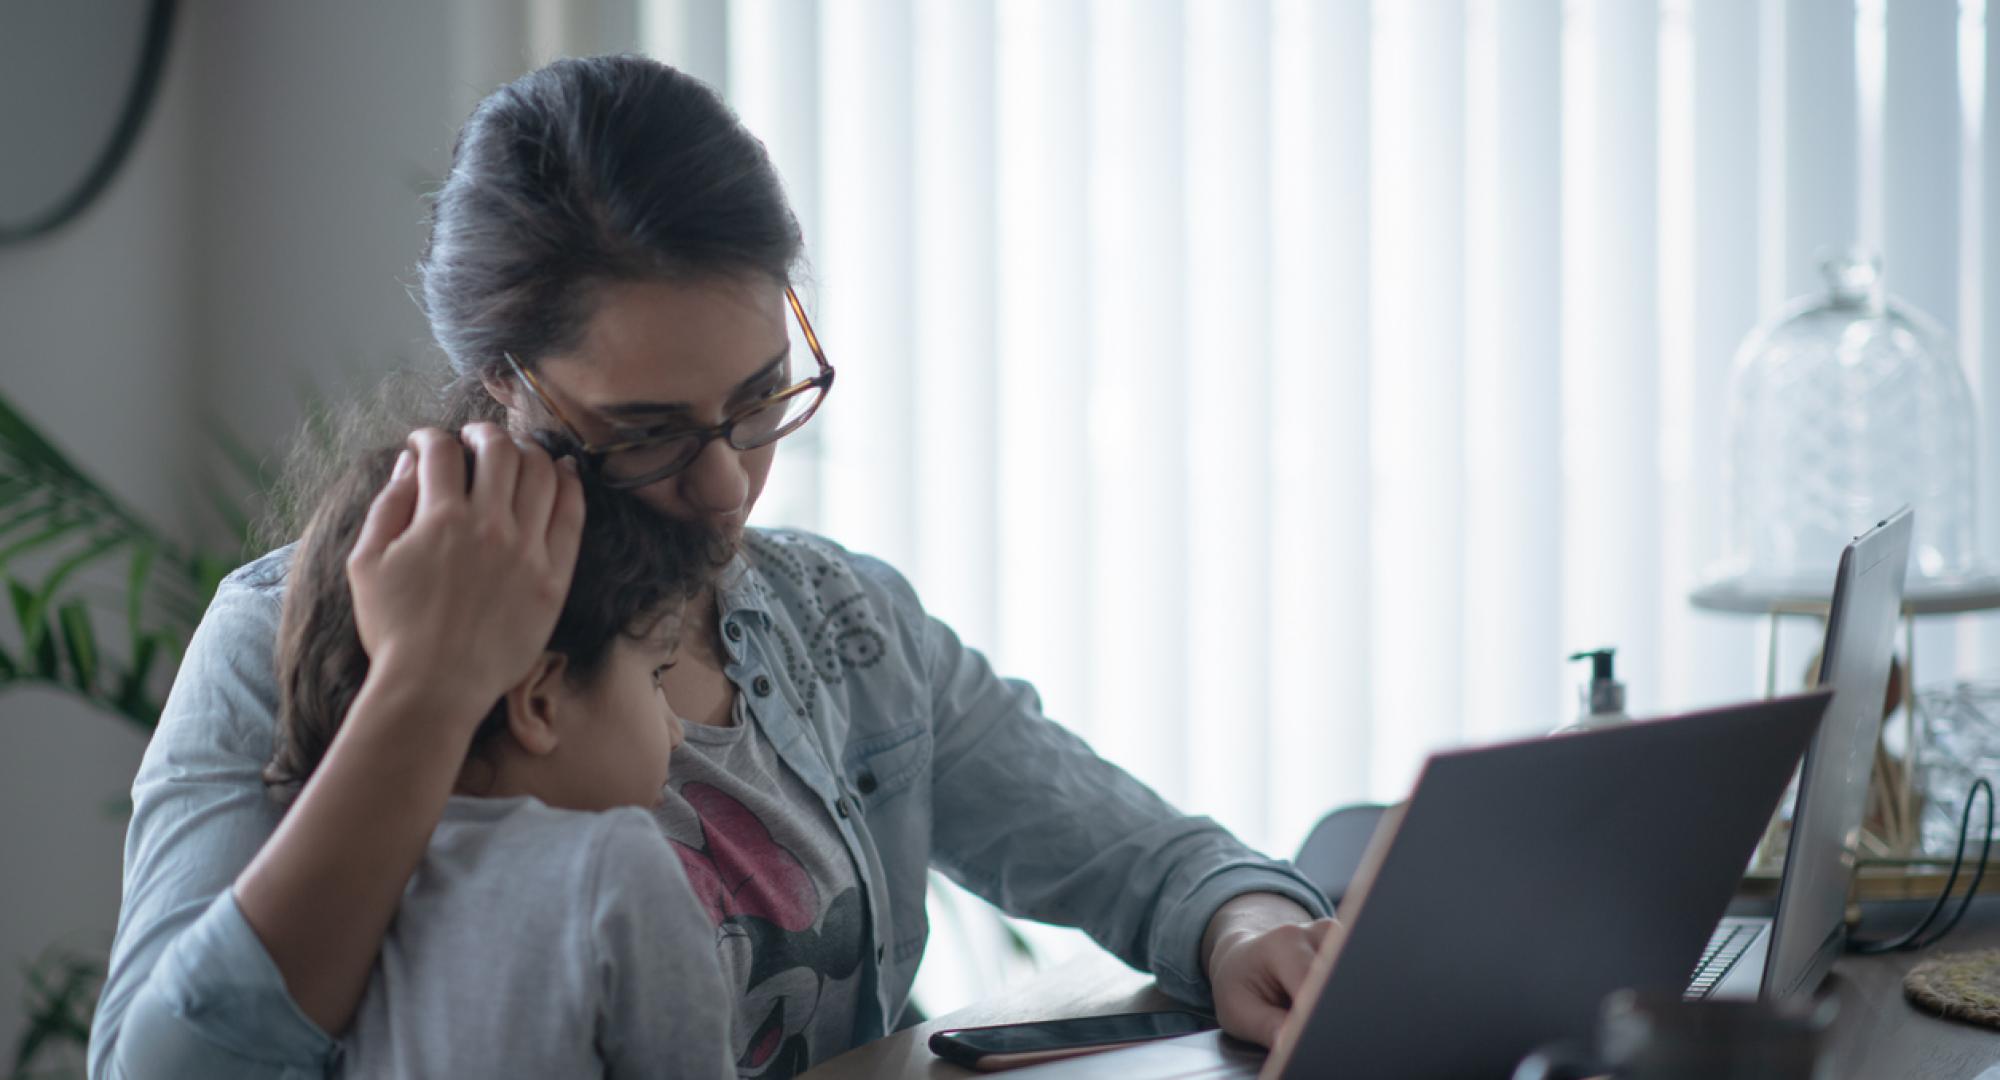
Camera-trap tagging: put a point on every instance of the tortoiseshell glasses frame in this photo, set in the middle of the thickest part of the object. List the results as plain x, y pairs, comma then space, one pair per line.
652, 457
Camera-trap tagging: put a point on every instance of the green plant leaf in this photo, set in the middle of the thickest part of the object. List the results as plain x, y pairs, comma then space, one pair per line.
78, 560
38, 647
173, 646
27, 516
35, 617
62, 996
210, 569
17, 489
20, 440
26, 456
59, 532
143, 552
132, 699
80, 639
58, 529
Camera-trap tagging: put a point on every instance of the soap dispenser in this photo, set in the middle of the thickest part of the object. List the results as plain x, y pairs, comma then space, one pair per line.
1603, 697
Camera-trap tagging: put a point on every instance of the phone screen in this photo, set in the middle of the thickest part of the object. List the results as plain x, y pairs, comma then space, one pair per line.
967, 1045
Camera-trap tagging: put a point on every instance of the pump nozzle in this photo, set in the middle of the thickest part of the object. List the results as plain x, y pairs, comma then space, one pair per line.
1600, 662
1603, 698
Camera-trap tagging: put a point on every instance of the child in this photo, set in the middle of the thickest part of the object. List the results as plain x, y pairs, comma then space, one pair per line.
539, 936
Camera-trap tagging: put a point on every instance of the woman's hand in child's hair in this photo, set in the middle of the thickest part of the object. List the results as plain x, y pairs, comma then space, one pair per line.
457, 586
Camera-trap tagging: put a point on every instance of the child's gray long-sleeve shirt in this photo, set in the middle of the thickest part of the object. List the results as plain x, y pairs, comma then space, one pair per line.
538, 942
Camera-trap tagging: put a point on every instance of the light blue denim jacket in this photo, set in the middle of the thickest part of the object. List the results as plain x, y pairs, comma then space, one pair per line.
920, 754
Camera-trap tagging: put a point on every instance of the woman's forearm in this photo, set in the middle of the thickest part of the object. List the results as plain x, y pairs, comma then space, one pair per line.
322, 892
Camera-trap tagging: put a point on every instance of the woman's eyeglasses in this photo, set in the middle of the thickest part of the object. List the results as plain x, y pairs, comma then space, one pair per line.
646, 459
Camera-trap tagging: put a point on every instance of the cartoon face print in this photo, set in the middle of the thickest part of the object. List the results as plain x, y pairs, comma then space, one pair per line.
772, 927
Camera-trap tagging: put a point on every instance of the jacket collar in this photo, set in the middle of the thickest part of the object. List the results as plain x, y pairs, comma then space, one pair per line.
740, 590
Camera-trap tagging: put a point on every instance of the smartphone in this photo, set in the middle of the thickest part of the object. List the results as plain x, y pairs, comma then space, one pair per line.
1009, 1046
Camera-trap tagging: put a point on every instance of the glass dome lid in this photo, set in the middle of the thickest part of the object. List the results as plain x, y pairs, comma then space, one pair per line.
1843, 408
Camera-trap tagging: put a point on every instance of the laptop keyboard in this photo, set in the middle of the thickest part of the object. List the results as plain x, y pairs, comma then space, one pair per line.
1724, 947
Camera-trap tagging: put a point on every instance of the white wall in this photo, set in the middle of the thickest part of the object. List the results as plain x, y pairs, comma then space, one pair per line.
321, 127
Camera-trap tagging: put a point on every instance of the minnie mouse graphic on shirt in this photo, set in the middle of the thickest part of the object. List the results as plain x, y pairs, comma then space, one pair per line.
772, 924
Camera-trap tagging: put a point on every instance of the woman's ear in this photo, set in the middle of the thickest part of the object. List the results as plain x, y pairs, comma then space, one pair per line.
537, 705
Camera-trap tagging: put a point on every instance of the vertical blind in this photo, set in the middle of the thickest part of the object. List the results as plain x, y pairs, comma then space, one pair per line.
1285, 386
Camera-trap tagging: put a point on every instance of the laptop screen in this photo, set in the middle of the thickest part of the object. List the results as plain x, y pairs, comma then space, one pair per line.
1833, 781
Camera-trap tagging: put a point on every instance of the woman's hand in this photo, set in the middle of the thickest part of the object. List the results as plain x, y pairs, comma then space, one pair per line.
456, 591
1258, 949
457, 587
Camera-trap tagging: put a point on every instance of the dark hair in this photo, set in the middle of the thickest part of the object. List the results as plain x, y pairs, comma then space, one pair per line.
585, 172
588, 171
634, 567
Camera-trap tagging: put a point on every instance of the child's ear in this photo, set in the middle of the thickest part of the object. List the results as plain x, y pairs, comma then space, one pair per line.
499, 389
536, 704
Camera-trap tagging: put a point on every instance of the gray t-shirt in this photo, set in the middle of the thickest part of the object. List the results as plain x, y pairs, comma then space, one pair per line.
780, 889
537, 942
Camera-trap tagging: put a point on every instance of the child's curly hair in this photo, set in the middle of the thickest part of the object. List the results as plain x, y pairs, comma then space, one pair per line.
634, 567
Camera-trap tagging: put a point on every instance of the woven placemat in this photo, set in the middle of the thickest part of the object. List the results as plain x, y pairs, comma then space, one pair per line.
1963, 986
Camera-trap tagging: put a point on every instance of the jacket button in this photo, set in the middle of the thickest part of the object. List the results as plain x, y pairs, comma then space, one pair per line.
865, 783
733, 631
842, 804
761, 686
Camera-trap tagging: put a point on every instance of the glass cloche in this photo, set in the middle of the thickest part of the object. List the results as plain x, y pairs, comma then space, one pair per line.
1843, 408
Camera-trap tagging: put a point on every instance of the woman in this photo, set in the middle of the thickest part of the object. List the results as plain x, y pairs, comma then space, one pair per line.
609, 259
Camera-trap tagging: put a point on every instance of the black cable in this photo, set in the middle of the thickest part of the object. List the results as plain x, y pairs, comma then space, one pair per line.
1913, 938
1979, 872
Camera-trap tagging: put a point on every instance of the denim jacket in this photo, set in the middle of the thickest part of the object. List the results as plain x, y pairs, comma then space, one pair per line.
919, 753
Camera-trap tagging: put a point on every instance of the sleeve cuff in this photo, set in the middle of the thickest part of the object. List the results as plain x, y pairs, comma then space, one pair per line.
218, 980
1177, 953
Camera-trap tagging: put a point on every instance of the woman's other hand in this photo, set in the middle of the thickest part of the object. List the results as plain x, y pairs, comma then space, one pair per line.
1259, 948
457, 585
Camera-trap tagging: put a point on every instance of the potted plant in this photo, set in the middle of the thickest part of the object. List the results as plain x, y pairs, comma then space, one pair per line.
100, 605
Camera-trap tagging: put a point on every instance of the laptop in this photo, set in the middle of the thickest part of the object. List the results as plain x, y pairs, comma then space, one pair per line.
1521, 883
1788, 954
1518, 885
1452, 1008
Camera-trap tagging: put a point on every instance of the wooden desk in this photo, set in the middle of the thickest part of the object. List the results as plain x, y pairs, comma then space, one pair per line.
1879, 1033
